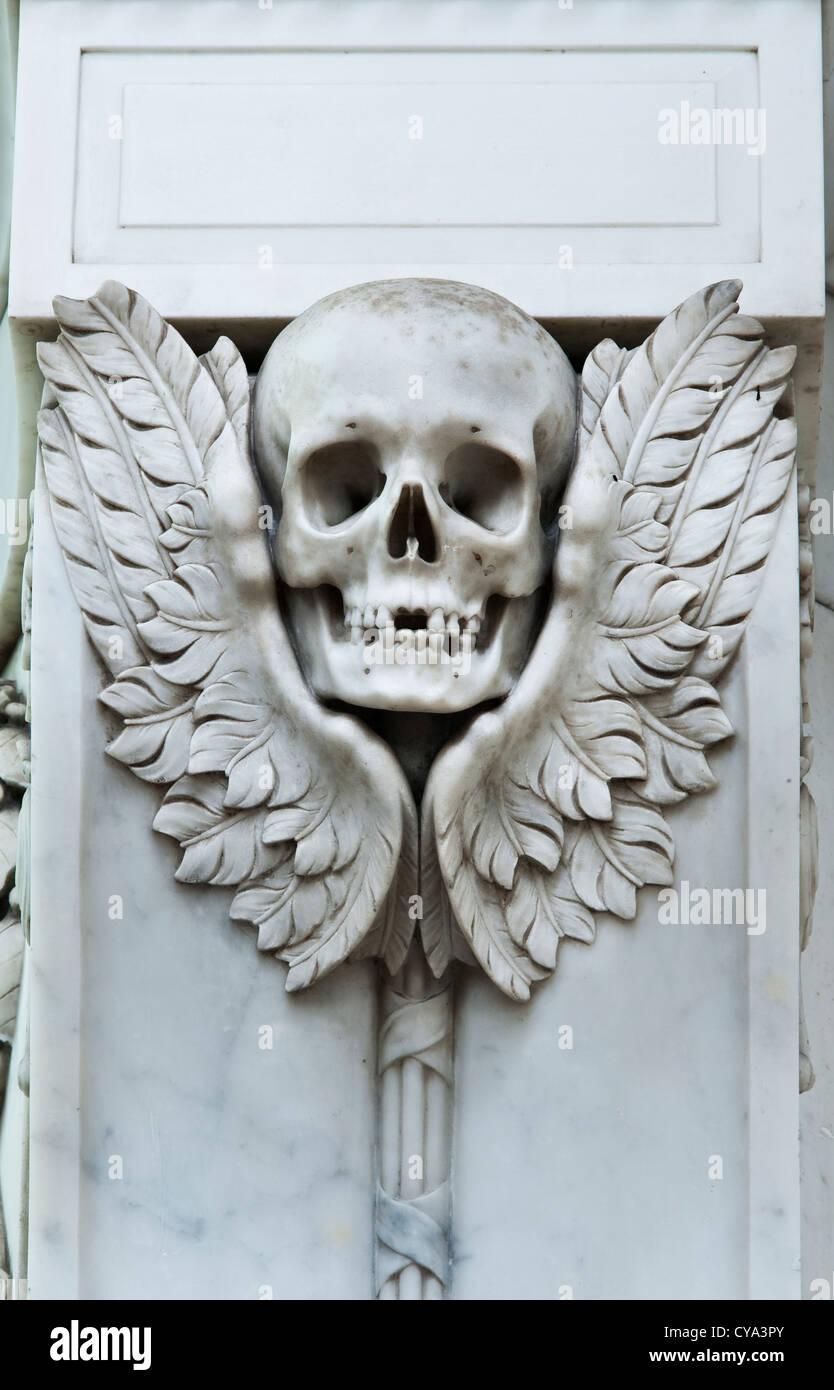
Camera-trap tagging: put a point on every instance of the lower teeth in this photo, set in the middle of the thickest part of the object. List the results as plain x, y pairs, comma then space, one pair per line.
420, 640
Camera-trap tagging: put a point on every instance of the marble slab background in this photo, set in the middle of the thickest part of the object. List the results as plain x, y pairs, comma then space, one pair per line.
247, 1171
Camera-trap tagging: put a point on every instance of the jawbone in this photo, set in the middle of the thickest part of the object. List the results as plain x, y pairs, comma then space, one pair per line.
416, 670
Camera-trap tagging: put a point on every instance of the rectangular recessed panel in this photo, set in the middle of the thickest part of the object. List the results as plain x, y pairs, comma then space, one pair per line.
413, 155
421, 158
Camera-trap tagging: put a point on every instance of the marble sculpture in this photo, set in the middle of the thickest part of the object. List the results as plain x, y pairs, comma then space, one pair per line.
419, 635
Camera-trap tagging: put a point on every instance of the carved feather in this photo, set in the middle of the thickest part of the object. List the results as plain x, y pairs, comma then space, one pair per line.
603, 368
228, 372
391, 935
107, 616
157, 511
549, 809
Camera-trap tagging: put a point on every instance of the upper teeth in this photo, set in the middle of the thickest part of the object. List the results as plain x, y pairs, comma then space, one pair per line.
365, 624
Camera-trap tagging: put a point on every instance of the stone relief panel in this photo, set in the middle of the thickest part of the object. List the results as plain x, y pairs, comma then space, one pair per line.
421, 636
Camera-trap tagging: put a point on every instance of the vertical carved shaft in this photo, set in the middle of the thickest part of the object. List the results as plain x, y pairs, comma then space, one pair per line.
415, 1131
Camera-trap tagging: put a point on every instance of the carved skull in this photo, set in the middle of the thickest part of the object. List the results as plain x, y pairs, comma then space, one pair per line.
414, 435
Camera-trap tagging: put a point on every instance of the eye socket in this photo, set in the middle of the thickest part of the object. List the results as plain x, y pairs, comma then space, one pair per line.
485, 486
340, 480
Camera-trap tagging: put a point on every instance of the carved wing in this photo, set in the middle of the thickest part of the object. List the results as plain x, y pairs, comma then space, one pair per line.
550, 808
157, 511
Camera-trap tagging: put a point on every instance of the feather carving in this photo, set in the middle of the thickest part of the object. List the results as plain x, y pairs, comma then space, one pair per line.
549, 809
156, 508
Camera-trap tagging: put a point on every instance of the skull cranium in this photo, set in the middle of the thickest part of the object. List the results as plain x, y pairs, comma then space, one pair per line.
412, 433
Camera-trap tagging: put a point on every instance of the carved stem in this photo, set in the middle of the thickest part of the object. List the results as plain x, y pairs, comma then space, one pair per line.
415, 1131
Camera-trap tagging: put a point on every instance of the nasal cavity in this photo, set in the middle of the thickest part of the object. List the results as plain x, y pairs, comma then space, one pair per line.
410, 532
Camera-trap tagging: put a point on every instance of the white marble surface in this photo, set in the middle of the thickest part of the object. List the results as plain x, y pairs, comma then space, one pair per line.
817, 1105
55, 974
589, 1169
243, 1166
244, 1169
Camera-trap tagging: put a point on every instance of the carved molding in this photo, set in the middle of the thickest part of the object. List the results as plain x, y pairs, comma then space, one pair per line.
808, 832
14, 782
415, 1066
